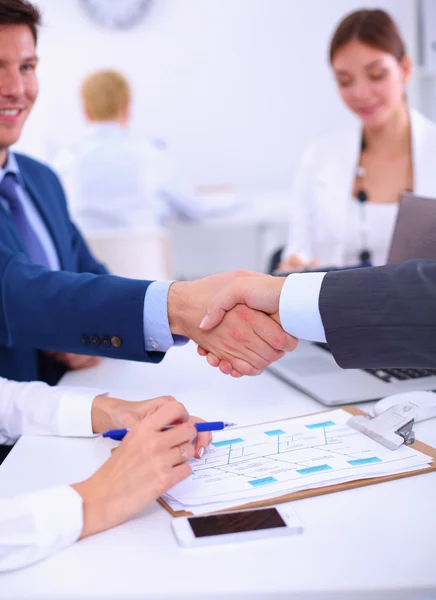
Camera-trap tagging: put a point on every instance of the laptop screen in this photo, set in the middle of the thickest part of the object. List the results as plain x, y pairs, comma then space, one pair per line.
415, 230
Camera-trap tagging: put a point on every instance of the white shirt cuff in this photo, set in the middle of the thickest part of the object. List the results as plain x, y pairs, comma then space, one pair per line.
299, 306
38, 524
75, 411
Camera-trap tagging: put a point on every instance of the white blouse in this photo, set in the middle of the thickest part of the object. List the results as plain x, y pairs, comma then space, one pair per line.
378, 221
35, 525
320, 197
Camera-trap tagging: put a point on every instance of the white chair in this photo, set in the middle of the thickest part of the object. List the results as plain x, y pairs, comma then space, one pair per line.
136, 254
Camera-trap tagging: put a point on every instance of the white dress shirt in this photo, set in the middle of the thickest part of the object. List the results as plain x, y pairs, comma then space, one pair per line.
370, 227
115, 180
299, 306
37, 524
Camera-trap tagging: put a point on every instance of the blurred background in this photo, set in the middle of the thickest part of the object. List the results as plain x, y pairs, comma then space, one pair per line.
235, 88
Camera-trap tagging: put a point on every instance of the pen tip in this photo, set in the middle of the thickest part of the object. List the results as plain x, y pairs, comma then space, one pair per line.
229, 424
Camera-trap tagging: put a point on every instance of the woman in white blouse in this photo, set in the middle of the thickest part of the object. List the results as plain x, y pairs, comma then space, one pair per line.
147, 463
347, 188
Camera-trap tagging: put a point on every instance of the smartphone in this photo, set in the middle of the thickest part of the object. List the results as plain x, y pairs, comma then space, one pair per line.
236, 526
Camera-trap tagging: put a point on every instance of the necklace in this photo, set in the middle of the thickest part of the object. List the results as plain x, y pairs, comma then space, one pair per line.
361, 195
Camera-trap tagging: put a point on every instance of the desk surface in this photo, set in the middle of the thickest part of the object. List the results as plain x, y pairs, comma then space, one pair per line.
377, 541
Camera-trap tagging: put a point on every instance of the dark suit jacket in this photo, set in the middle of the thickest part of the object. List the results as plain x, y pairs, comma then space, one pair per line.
79, 309
381, 317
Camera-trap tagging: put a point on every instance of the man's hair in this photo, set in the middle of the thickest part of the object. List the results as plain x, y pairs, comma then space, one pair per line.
105, 94
20, 12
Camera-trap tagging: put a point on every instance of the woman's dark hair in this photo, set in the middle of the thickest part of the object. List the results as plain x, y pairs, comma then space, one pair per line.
20, 12
372, 27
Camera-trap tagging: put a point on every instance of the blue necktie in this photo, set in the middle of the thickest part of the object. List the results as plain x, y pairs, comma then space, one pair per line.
34, 247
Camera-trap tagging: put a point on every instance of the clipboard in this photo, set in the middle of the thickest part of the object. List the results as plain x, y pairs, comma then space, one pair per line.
328, 489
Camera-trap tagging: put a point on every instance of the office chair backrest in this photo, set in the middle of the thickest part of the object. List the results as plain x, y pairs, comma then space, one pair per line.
134, 254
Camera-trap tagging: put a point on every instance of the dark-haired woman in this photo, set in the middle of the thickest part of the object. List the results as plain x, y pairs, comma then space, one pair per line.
347, 188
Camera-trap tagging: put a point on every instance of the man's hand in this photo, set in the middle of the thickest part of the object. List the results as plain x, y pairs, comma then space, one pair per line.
113, 413
147, 463
75, 361
261, 293
246, 339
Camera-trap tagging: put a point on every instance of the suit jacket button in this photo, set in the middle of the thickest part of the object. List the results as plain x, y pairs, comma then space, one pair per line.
95, 340
116, 341
85, 340
106, 342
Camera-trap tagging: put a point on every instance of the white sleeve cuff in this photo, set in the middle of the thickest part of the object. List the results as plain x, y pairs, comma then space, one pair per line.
299, 306
38, 524
74, 412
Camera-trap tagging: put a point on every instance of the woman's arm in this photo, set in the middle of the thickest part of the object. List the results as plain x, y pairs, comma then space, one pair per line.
35, 408
148, 462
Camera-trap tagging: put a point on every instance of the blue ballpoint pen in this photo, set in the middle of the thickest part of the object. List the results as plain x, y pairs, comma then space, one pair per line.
118, 434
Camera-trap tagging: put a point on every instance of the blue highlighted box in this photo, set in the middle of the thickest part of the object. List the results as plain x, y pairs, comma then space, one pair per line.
310, 470
364, 461
319, 425
264, 481
227, 442
275, 432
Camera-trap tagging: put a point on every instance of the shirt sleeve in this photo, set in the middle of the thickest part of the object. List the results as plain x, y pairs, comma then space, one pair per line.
33, 526
157, 333
36, 408
299, 306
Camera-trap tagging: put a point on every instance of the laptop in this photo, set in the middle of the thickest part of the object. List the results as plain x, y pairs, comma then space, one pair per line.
312, 368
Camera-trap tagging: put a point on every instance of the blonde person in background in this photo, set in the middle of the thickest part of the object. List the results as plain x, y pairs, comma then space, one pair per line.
117, 180
347, 188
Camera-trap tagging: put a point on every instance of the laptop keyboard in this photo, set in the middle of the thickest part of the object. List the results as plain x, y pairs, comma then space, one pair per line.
392, 375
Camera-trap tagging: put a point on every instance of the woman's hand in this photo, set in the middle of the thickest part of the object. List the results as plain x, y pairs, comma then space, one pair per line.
113, 413
147, 463
294, 263
75, 361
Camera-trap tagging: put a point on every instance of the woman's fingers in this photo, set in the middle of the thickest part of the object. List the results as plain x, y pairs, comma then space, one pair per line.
180, 454
171, 412
179, 434
203, 439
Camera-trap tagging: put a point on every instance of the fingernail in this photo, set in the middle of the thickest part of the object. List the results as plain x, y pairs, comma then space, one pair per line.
200, 452
204, 321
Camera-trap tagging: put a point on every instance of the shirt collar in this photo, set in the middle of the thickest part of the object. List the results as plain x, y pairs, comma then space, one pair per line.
11, 166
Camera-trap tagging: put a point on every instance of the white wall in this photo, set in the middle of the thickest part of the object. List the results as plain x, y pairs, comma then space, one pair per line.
236, 87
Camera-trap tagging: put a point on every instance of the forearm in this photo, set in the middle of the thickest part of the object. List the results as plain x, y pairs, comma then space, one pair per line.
34, 526
381, 317
70, 312
35, 408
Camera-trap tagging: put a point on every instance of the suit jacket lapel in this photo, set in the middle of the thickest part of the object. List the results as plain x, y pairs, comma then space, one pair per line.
13, 229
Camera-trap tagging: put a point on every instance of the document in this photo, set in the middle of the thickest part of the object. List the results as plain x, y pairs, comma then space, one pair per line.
259, 462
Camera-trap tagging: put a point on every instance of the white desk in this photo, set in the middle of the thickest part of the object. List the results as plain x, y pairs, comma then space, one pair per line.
375, 542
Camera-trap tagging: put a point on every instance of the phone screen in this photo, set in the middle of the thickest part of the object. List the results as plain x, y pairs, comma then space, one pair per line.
249, 520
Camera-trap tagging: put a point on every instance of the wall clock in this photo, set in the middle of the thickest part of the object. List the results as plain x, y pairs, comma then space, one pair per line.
116, 14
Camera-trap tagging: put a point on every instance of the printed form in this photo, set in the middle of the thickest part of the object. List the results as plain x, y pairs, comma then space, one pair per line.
247, 464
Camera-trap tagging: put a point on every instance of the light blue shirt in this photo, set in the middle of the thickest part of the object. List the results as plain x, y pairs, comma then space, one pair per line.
157, 333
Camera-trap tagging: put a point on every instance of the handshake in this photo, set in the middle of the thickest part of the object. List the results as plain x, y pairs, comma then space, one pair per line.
233, 318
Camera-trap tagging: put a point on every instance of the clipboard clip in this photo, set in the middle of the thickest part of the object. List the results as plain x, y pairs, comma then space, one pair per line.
392, 428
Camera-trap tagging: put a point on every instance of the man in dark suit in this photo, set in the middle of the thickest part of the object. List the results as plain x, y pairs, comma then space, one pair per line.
371, 318
55, 297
